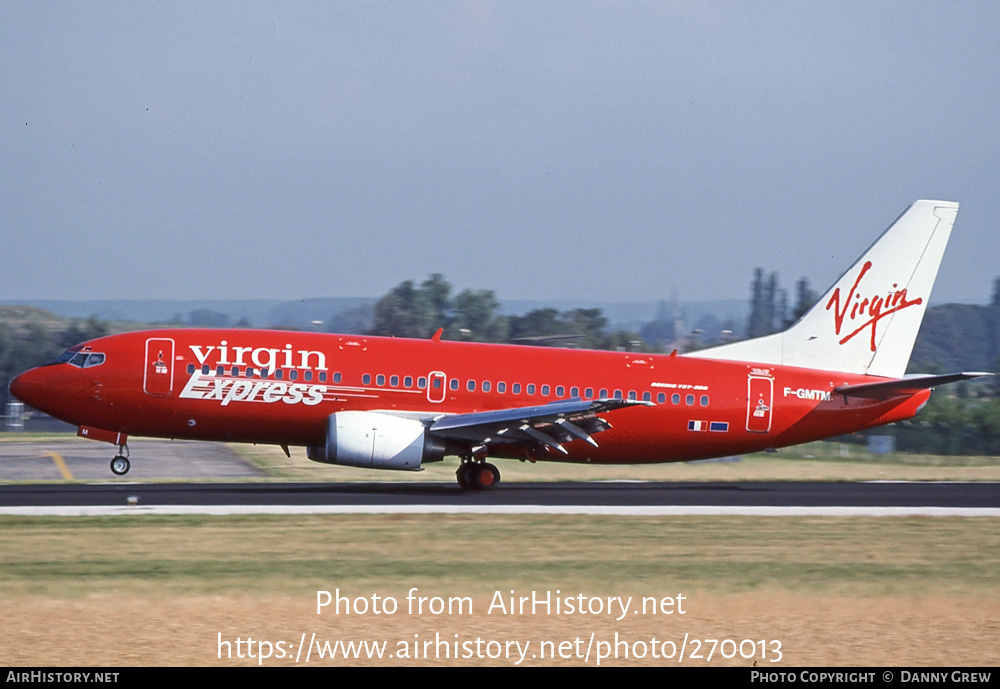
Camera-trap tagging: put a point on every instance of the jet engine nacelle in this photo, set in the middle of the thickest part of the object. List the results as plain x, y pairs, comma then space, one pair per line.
375, 440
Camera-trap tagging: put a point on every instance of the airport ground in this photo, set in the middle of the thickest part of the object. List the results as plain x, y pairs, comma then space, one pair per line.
63, 456
152, 590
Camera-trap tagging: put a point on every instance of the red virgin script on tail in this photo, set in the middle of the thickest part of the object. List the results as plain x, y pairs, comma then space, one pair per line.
874, 308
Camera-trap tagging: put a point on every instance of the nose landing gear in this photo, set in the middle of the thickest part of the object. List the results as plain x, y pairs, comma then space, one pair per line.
120, 464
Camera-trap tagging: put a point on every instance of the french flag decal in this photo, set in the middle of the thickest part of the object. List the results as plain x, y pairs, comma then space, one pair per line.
697, 425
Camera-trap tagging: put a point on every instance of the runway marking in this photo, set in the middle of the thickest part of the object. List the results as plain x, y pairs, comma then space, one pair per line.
61, 466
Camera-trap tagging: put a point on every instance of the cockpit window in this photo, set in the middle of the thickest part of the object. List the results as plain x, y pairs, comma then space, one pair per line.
66, 356
95, 359
74, 357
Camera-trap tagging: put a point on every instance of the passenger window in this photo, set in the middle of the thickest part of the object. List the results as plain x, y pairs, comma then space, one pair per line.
704, 400
632, 395
307, 376
589, 393
689, 400
501, 387
204, 370
422, 383
453, 383
336, 377
470, 385
661, 398
574, 392
618, 394
516, 388
366, 379
380, 379
293, 375
408, 382
545, 390
394, 381
675, 398
604, 393
190, 369
486, 386
531, 388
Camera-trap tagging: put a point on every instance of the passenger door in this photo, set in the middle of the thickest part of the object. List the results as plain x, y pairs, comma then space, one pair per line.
158, 375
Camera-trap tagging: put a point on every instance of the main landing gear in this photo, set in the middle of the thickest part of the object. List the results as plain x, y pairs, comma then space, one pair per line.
473, 475
120, 464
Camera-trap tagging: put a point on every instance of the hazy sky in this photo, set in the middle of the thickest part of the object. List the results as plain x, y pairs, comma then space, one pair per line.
545, 150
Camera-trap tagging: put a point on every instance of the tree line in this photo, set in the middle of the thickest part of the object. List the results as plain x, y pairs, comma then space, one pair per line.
411, 310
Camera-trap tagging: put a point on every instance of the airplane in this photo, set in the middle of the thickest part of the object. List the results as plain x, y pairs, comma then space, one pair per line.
395, 403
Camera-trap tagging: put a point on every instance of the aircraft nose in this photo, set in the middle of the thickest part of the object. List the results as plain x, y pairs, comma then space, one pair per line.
29, 387
56, 390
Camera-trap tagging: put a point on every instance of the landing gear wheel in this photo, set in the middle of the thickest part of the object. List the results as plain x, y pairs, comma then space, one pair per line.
477, 476
486, 476
464, 476
120, 465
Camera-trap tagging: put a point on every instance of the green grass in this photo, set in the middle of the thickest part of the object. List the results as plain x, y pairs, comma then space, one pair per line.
297, 555
832, 451
34, 437
821, 461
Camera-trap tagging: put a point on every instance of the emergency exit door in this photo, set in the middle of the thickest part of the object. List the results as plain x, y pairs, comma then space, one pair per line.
760, 393
436, 391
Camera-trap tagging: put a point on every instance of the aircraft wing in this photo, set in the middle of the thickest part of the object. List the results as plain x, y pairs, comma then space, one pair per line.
902, 386
547, 425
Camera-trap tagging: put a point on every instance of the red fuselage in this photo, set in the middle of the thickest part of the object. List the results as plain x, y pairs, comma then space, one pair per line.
280, 388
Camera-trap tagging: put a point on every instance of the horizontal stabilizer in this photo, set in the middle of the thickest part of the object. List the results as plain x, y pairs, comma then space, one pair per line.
903, 386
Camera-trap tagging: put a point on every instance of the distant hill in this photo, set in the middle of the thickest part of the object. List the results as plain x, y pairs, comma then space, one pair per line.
300, 313
22, 319
18, 317
632, 315
261, 313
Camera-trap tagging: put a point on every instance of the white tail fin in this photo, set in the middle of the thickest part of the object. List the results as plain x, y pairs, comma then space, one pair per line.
868, 321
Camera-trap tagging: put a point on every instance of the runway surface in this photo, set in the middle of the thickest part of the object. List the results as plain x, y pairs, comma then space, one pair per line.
777, 498
86, 460
97, 493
